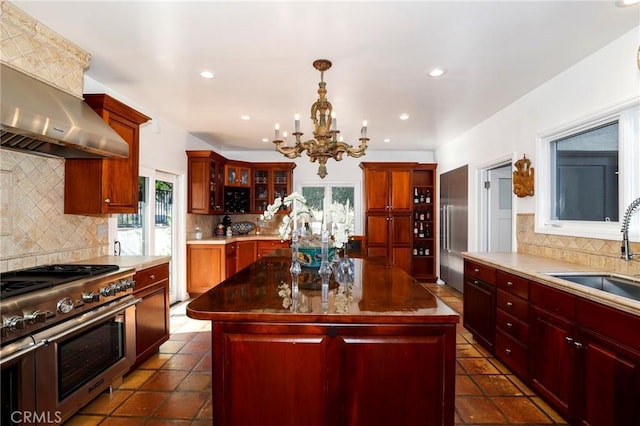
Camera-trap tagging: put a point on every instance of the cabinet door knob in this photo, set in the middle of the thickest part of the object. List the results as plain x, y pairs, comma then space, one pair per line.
569, 340
107, 200
578, 345
509, 325
507, 351
476, 270
509, 304
152, 277
509, 284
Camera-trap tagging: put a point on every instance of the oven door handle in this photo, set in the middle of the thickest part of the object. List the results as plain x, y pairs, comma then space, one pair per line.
85, 320
5, 359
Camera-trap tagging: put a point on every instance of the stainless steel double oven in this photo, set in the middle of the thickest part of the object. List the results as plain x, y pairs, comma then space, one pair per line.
63, 343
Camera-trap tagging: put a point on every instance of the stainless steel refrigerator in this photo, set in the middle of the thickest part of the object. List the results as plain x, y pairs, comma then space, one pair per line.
454, 199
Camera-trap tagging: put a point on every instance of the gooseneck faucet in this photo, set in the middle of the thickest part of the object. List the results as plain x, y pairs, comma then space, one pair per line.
627, 254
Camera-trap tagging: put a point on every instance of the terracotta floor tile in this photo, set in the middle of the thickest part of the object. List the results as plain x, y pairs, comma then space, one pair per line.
183, 336
83, 420
466, 386
196, 347
523, 388
478, 366
124, 421
467, 351
155, 362
196, 382
168, 422
478, 410
164, 381
182, 362
500, 366
201, 423
136, 379
548, 410
459, 368
107, 402
496, 385
183, 405
141, 404
460, 339
171, 346
521, 410
207, 410
204, 364
202, 337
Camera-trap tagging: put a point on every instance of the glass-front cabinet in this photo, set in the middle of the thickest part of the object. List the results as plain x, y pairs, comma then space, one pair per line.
237, 174
205, 182
270, 181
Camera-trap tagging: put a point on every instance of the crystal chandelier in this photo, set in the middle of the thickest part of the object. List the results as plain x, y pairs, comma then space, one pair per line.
326, 142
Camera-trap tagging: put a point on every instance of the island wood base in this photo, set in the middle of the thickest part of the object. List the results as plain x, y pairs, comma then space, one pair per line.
373, 365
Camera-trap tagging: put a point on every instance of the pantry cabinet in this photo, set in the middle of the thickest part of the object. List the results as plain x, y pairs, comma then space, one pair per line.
108, 185
205, 182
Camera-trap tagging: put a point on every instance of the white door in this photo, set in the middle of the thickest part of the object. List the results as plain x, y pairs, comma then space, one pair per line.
499, 209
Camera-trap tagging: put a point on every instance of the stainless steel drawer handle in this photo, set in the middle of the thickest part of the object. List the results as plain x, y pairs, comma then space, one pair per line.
509, 304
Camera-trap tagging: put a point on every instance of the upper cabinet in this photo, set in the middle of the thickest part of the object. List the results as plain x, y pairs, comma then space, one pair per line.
237, 174
205, 177
270, 181
388, 187
104, 186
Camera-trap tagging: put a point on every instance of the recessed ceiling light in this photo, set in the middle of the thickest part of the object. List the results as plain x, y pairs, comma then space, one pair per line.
206, 74
265, 140
245, 117
625, 3
404, 116
386, 140
436, 72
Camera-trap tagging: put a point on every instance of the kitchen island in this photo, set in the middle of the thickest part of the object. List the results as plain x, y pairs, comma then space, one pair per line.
382, 351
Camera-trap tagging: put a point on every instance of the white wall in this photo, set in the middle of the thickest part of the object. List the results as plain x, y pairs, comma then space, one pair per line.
605, 78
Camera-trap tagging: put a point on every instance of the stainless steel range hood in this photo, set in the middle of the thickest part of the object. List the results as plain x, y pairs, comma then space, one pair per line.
41, 119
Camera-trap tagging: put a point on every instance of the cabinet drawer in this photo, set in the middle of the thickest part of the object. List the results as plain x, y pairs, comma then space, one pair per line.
513, 305
512, 354
513, 284
620, 326
150, 276
555, 301
230, 249
481, 272
512, 326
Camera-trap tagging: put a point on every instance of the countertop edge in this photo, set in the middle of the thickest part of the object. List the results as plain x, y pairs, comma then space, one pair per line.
535, 268
138, 263
235, 238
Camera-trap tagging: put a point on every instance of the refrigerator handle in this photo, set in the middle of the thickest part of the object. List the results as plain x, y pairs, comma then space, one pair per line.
445, 228
448, 228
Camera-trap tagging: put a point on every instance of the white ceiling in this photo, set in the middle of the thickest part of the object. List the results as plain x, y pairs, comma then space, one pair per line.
261, 54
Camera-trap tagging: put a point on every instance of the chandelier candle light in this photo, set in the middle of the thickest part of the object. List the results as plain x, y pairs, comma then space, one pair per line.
326, 142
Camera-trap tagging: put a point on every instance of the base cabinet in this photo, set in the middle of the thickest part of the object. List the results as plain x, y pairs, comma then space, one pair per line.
152, 313
479, 302
206, 265
326, 374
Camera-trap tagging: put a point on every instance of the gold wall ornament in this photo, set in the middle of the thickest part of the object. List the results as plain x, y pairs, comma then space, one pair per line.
523, 177
326, 142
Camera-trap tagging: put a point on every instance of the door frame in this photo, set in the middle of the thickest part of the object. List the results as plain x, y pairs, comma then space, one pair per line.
484, 208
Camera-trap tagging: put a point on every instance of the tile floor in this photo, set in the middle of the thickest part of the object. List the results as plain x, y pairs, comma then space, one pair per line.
174, 387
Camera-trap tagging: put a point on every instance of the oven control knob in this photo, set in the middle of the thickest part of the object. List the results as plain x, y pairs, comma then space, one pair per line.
65, 305
121, 286
129, 283
15, 323
108, 291
90, 297
36, 316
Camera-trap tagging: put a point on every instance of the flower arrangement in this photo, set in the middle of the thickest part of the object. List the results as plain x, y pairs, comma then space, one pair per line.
341, 216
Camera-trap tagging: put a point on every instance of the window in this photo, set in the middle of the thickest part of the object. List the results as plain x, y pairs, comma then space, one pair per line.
588, 173
319, 195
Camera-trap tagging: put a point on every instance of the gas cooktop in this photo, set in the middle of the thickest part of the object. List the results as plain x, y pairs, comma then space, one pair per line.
22, 281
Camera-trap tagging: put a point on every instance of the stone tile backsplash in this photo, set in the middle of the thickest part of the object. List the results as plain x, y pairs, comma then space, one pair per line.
602, 254
35, 230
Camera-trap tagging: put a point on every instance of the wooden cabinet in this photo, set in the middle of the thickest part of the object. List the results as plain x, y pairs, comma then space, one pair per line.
388, 211
423, 259
512, 322
479, 302
246, 254
267, 246
270, 181
230, 260
205, 181
237, 174
152, 313
333, 373
206, 267
105, 186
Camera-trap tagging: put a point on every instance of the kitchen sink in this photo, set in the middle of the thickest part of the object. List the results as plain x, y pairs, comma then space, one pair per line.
602, 281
